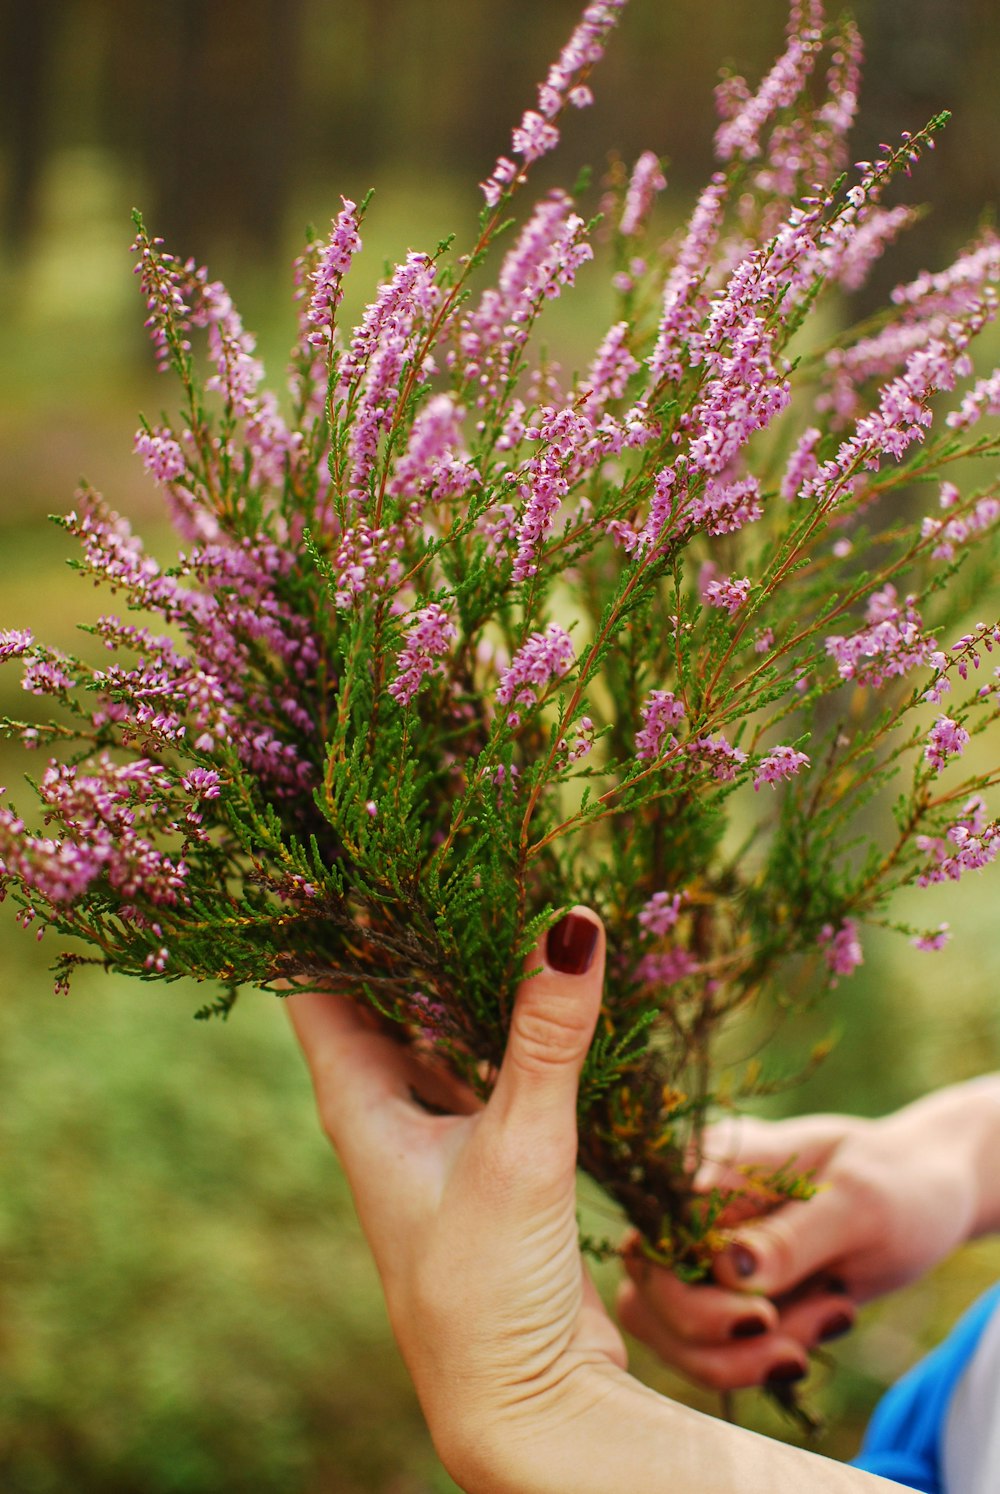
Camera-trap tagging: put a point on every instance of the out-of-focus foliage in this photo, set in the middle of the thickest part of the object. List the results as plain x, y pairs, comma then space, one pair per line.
186, 1305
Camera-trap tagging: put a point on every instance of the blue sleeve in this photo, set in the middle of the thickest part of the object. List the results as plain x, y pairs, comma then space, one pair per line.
903, 1441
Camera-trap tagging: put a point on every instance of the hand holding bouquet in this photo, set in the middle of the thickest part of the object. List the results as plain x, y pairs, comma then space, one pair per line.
453, 645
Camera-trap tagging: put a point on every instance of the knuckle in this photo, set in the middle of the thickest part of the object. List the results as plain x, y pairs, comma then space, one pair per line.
548, 1035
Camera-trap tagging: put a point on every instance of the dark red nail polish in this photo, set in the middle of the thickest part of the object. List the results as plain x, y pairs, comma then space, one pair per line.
743, 1259
836, 1327
570, 945
786, 1373
748, 1328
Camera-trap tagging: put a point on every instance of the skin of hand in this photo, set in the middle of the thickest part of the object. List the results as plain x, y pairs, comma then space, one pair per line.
896, 1195
515, 1324
470, 1211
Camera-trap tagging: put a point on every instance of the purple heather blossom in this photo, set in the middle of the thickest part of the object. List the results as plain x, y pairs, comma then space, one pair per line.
660, 914
14, 642
647, 179
841, 948
891, 645
730, 593
425, 645
665, 968
952, 533
982, 399
723, 508
161, 454
720, 757
930, 942
546, 255
568, 447
435, 464
969, 844
541, 659
564, 84
534, 137
165, 287
327, 279
110, 812
778, 766
609, 373
801, 465
678, 338
739, 134
947, 739
659, 712
202, 782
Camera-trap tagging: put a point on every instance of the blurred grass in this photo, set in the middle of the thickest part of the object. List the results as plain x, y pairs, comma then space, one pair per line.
186, 1304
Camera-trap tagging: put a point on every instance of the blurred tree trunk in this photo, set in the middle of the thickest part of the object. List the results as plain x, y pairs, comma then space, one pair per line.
209, 98
26, 32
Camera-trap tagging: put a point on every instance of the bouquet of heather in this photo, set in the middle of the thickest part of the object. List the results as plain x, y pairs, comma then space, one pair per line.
452, 645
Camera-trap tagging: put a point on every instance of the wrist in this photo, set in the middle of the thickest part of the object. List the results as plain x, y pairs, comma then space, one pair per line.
605, 1432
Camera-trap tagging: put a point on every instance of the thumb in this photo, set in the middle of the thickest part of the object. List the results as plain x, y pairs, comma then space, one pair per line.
798, 1241
555, 1013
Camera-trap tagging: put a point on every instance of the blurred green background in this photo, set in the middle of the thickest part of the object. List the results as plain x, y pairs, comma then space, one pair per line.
186, 1305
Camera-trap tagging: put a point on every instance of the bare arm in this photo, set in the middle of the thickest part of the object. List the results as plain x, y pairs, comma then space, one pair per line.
471, 1218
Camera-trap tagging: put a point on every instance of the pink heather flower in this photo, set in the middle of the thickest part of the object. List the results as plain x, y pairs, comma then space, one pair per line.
14, 642
721, 758
730, 594
982, 399
723, 508
841, 948
202, 782
778, 766
665, 969
659, 712
161, 454
660, 914
435, 465
609, 373
763, 640
947, 739
164, 287
426, 642
647, 179
739, 135
930, 942
327, 279
890, 646
802, 464
534, 137
46, 677
677, 341
543, 658
569, 447
969, 844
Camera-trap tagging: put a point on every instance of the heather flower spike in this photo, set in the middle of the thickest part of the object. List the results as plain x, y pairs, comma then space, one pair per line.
454, 640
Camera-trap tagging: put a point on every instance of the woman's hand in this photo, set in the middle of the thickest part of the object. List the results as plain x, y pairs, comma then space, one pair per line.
471, 1215
895, 1197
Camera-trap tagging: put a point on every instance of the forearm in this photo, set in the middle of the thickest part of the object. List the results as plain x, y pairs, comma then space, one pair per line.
615, 1436
964, 1121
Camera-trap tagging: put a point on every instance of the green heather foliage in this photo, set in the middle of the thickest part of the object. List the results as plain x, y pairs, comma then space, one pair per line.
455, 643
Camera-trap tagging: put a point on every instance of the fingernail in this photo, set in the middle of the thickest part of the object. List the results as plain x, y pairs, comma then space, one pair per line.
743, 1259
786, 1373
836, 1327
570, 944
748, 1328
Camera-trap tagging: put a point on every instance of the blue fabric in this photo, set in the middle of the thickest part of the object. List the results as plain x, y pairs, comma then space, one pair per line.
903, 1441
